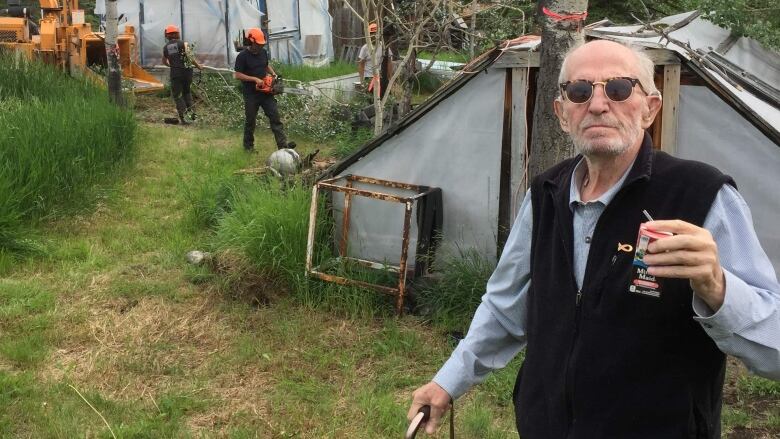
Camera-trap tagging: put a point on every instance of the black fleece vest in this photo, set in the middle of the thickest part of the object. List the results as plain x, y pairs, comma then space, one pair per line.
608, 363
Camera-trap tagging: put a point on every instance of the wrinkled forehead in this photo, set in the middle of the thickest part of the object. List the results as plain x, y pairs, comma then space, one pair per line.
597, 62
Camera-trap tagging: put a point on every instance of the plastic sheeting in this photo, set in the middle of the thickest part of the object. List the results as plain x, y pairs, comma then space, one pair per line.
203, 24
713, 132
702, 34
457, 147
299, 29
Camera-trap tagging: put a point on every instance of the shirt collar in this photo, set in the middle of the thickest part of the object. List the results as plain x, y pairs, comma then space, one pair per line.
579, 173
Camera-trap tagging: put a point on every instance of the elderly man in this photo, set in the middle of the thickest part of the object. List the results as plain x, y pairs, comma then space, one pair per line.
620, 343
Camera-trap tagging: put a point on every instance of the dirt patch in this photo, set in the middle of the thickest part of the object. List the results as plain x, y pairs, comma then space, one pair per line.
243, 282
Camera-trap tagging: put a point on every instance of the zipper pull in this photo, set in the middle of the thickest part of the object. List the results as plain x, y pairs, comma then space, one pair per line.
579, 297
614, 259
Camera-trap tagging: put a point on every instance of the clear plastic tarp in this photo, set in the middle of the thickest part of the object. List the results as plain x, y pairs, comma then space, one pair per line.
713, 132
456, 146
299, 29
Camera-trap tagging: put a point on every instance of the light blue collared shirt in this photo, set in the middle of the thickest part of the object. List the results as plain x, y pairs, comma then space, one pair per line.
746, 326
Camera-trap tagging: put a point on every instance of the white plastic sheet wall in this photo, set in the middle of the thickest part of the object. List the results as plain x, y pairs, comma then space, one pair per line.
456, 147
712, 132
292, 22
203, 25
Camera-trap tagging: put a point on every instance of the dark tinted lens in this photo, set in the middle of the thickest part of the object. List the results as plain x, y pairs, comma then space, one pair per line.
579, 91
618, 89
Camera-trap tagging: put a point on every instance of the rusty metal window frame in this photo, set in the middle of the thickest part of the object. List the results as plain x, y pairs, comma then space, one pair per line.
332, 185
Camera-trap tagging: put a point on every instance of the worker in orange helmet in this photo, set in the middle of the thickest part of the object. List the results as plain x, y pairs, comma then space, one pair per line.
179, 57
370, 76
251, 68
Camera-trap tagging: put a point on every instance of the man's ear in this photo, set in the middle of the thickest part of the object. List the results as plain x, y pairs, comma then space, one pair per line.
654, 103
558, 107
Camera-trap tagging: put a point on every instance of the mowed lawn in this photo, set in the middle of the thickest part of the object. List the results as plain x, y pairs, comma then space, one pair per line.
108, 332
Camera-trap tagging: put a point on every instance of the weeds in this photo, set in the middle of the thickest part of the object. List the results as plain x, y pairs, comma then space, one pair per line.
451, 299
61, 137
307, 116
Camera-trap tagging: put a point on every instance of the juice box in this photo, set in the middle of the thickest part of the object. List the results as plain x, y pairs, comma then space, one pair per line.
642, 282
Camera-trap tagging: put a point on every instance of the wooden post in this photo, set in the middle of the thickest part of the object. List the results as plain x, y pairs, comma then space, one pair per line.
671, 100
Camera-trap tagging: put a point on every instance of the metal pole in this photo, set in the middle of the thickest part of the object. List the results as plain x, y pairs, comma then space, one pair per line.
181, 17
399, 306
312, 226
227, 32
141, 32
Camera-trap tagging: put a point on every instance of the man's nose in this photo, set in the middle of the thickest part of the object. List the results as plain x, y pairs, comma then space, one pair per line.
599, 102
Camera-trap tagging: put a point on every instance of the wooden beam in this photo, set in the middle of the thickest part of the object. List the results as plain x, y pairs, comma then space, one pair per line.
524, 58
514, 59
663, 57
671, 98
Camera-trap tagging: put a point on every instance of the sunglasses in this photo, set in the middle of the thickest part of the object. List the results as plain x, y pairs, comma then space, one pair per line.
617, 89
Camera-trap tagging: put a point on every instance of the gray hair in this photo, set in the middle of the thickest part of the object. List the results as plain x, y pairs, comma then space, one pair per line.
645, 70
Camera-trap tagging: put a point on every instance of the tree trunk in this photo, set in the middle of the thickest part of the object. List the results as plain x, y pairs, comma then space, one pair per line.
114, 71
473, 29
407, 83
549, 144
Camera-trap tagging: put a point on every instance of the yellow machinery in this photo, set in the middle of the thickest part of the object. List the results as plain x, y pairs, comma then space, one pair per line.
66, 40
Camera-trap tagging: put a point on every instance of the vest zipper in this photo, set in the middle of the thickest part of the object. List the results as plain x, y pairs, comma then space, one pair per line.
569, 380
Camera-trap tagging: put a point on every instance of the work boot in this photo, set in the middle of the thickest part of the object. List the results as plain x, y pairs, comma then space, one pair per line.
290, 145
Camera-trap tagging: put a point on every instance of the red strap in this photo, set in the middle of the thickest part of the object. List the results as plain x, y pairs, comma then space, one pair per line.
575, 16
374, 81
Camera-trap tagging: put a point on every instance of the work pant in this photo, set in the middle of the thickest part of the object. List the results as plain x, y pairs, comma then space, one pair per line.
180, 90
252, 103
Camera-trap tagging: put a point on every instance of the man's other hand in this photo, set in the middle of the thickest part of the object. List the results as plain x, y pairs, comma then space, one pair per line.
690, 254
435, 396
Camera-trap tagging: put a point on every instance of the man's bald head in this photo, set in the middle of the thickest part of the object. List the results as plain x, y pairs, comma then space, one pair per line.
643, 66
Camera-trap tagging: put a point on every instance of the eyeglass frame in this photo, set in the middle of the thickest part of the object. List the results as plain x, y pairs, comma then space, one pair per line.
593, 84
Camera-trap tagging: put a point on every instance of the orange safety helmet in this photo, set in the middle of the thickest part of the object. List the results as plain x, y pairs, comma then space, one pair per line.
171, 29
372, 27
256, 35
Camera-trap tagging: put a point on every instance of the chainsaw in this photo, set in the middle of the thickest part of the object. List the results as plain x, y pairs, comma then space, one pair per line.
271, 85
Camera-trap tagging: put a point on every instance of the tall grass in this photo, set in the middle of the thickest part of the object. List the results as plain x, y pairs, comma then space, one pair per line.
451, 298
269, 223
260, 230
60, 137
300, 72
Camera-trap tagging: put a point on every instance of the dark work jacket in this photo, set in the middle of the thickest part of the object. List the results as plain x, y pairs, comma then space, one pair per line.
174, 51
616, 364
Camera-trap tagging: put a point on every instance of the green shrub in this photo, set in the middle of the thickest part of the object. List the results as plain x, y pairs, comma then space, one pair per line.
61, 136
452, 297
426, 83
307, 116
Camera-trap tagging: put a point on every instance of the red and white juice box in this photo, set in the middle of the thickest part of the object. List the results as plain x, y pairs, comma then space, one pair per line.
642, 282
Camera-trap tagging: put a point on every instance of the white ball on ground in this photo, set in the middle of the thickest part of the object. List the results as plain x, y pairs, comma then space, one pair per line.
284, 161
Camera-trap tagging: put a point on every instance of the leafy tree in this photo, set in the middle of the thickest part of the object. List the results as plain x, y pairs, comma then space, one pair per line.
757, 19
